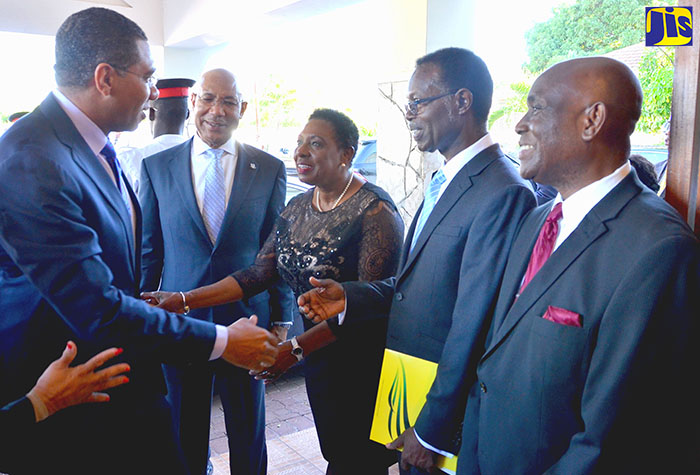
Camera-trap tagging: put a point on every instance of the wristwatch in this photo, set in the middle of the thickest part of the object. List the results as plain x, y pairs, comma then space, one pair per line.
297, 350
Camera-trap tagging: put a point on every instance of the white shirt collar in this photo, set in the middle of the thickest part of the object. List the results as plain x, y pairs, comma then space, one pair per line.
452, 167
199, 146
91, 133
579, 204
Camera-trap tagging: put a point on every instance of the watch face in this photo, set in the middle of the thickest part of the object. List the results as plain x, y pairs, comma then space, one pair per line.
297, 351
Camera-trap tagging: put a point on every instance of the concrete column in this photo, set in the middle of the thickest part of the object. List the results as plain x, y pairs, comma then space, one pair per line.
412, 28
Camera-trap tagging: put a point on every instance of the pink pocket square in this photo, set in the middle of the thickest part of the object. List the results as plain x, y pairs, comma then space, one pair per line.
562, 316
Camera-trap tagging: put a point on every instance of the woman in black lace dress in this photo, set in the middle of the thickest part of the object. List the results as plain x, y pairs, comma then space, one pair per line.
344, 229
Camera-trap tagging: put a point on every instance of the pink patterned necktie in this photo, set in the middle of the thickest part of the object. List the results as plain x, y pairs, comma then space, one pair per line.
544, 245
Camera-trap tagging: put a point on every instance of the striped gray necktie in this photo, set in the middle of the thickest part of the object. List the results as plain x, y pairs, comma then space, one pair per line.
214, 205
428, 204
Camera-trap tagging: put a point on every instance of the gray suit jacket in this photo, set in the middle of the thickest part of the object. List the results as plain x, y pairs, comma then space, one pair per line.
176, 247
443, 294
615, 395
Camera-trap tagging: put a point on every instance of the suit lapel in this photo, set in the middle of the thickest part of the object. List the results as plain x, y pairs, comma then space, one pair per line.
181, 169
246, 170
134, 247
457, 187
86, 160
588, 231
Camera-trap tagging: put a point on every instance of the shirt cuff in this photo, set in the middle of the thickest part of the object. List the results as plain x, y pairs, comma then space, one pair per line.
341, 315
219, 343
430, 447
282, 324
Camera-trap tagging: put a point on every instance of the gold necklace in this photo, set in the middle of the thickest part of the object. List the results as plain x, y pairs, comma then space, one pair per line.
318, 194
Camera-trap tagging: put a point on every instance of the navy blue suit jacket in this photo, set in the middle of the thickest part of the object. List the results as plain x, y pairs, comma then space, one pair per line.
70, 269
176, 246
443, 294
616, 395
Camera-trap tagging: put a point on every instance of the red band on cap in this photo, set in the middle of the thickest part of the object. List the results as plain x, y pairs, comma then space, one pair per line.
174, 92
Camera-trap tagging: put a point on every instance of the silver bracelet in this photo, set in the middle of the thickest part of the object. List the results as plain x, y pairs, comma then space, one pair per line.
185, 307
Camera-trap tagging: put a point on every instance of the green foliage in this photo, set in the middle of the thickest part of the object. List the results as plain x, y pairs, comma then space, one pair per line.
366, 131
586, 28
277, 105
515, 103
656, 77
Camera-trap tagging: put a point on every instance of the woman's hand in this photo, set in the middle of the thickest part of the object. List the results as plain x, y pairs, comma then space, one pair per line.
61, 386
170, 301
285, 360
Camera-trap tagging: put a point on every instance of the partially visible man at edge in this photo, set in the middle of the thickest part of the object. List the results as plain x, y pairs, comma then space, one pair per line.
591, 362
70, 237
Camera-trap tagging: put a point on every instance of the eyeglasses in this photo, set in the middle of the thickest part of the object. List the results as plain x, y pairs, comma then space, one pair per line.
151, 80
210, 101
412, 106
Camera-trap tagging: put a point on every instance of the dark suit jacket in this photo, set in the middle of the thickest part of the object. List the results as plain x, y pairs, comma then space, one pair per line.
445, 288
177, 248
16, 421
69, 268
615, 395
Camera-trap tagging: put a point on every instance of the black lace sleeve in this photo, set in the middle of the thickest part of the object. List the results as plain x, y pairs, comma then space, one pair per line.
263, 273
380, 247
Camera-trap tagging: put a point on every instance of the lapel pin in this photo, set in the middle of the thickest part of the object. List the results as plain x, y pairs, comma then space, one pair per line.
253, 166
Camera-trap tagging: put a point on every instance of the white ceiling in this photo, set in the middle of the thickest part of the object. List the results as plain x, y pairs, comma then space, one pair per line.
178, 23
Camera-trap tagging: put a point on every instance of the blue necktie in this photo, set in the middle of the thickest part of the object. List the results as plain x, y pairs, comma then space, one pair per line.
111, 157
428, 204
214, 205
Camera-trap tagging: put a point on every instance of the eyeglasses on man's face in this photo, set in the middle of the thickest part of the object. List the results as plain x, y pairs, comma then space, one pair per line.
210, 100
412, 106
150, 80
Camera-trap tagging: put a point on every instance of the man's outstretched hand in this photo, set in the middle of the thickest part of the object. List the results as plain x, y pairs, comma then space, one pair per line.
324, 301
250, 346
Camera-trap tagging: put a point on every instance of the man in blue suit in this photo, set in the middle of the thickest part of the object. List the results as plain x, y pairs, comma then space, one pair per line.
182, 251
70, 252
440, 301
592, 358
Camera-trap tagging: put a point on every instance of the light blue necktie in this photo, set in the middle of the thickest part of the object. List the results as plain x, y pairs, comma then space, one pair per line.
428, 204
214, 205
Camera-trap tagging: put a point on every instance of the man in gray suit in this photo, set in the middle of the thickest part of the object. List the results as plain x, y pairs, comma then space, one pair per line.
208, 206
441, 299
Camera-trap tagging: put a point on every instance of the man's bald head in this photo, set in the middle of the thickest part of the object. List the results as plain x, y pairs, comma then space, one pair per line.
218, 107
580, 116
605, 80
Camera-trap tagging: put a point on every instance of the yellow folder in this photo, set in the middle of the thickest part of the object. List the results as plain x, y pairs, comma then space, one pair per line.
403, 385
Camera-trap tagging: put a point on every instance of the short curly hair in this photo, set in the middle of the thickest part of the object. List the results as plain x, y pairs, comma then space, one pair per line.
93, 36
346, 133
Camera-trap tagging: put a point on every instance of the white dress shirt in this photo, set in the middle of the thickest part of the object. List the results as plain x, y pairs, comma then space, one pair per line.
579, 204
200, 163
131, 158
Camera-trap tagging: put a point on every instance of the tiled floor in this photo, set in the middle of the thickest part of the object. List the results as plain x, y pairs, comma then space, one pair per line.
292, 444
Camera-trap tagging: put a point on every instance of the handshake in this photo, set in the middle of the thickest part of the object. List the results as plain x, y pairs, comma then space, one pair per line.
248, 346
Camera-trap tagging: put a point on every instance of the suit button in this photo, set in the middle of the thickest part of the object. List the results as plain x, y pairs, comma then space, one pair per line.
483, 387
399, 296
